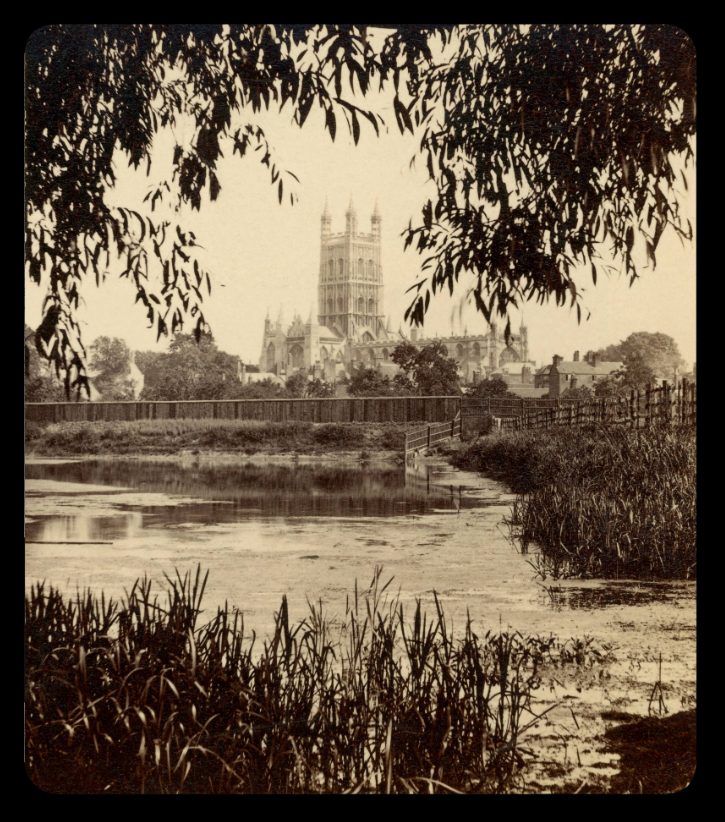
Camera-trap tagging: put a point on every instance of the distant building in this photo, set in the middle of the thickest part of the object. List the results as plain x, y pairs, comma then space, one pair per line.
576, 373
349, 326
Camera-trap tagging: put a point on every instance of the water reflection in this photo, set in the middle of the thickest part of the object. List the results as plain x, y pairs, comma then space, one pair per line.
613, 594
228, 493
85, 528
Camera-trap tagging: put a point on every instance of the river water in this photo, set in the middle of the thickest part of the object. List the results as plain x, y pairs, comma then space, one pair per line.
309, 530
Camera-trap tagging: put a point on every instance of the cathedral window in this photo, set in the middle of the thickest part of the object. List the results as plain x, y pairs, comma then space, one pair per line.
361, 268
371, 305
386, 354
341, 267
297, 355
330, 306
360, 305
331, 269
459, 351
340, 304
371, 270
476, 350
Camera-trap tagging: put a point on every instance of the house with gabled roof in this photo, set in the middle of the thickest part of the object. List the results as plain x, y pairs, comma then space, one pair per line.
577, 373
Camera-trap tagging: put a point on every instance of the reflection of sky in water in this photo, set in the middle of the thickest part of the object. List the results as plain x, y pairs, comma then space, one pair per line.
84, 528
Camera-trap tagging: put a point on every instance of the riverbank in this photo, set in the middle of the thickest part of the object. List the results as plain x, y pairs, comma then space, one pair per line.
603, 502
198, 694
190, 438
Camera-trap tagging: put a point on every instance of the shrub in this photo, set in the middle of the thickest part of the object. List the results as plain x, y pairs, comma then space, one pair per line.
351, 435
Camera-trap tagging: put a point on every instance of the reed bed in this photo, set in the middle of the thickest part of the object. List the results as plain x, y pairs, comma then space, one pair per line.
600, 502
146, 436
137, 696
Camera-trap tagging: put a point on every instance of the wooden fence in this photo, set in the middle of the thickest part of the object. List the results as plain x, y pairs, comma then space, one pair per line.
509, 406
664, 405
431, 435
345, 409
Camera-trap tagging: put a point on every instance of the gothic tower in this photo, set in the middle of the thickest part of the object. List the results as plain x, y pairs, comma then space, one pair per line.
350, 290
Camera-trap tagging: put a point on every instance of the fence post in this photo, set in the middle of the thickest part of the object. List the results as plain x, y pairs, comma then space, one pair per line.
405, 447
429, 436
453, 427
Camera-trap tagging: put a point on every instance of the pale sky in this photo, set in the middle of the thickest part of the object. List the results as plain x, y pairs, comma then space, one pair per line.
262, 254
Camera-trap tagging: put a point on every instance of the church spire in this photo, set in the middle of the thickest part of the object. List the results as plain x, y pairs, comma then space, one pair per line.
351, 219
326, 221
375, 221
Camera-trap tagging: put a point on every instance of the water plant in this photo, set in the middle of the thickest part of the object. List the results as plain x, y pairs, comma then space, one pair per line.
141, 696
601, 501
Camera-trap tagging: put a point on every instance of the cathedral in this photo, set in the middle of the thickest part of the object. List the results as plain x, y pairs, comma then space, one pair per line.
350, 326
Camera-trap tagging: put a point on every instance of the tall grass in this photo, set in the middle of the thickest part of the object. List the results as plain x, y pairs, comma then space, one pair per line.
604, 502
137, 696
146, 436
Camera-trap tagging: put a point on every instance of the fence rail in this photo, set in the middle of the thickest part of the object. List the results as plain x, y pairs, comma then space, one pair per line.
431, 435
510, 406
664, 405
334, 409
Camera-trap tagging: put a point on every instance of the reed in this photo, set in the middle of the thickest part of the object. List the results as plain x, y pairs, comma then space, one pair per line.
140, 696
600, 502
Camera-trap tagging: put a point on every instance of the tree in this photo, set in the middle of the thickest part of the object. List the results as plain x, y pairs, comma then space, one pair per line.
40, 384
319, 388
430, 369
645, 356
297, 385
191, 371
111, 359
610, 386
367, 382
491, 387
543, 141
263, 390
580, 392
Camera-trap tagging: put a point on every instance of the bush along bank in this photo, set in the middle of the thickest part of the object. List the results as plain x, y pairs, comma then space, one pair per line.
137, 697
601, 501
171, 436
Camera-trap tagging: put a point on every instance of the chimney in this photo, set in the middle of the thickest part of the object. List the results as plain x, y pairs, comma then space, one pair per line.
576, 356
556, 360
588, 357
595, 359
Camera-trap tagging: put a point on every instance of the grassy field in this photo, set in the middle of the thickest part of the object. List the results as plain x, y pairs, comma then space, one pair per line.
604, 502
247, 436
137, 697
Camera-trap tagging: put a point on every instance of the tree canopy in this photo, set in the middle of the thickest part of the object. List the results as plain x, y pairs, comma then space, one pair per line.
429, 369
655, 351
111, 362
189, 371
490, 387
543, 142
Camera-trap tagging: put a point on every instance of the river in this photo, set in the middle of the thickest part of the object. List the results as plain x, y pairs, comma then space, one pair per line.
309, 530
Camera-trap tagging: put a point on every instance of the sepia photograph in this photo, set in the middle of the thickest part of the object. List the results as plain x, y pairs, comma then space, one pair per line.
360, 409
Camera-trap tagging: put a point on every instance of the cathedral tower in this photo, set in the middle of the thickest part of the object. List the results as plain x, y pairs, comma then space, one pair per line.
350, 290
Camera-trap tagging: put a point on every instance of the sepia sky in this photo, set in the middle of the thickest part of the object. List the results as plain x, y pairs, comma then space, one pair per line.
262, 254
